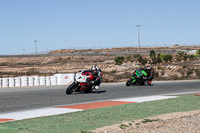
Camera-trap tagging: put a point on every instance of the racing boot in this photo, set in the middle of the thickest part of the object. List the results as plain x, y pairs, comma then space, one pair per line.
96, 87
91, 83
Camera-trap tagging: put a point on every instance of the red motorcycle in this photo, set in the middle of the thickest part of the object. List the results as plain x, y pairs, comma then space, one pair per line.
81, 83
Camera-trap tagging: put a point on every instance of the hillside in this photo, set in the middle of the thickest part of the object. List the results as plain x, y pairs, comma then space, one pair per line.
49, 65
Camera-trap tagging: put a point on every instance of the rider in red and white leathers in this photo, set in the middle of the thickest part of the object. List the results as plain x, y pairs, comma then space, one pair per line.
96, 71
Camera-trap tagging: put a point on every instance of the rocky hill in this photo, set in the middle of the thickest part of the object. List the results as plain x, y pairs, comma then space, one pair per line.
113, 72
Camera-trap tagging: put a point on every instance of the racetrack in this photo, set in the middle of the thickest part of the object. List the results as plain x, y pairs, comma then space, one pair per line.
26, 98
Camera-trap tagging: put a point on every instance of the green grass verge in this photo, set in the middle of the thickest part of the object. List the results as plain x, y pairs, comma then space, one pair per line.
92, 119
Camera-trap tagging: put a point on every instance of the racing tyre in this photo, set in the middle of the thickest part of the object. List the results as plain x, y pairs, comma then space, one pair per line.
88, 90
147, 83
70, 88
129, 82
143, 83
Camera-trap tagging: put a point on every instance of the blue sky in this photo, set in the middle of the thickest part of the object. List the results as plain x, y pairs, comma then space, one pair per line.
60, 24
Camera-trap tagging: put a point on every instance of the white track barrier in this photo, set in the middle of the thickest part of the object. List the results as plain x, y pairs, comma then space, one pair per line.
4, 82
64, 79
70, 78
48, 82
36, 80
24, 81
17, 81
0, 82
30, 81
11, 82
42, 80
57, 79
53, 80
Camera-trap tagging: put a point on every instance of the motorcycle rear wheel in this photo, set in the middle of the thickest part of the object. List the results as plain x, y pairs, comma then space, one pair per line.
147, 83
70, 88
88, 90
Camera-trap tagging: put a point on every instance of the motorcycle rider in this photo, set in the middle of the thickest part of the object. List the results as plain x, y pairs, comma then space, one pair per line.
139, 73
96, 72
150, 73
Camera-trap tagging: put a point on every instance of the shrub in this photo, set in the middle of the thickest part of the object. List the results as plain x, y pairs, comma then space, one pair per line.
160, 68
128, 57
143, 61
123, 126
167, 57
153, 56
4, 64
189, 72
197, 71
191, 57
148, 120
113, 71
181, 56
197, 53
138, 57
185, 66
32, 71
156, 74
119, 60
158, 59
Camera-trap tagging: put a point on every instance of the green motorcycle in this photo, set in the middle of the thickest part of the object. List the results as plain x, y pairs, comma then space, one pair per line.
138, 78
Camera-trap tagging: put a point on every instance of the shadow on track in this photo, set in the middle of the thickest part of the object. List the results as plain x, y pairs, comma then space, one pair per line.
140, 85
93, 92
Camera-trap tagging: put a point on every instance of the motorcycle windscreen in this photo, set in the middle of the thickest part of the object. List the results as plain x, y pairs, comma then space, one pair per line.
80, 78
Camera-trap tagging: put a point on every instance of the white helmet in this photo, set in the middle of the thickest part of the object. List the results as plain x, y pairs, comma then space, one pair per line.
94, 67
148, 67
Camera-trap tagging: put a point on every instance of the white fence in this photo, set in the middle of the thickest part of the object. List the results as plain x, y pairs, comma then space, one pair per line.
57, 79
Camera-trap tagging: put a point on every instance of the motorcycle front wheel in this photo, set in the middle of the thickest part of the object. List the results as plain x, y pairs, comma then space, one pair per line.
129, 82
70, 88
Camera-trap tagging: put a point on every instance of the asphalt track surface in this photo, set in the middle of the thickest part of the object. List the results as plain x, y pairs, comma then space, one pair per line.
26, 98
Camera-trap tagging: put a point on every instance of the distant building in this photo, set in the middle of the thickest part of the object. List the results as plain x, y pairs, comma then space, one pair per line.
176, 45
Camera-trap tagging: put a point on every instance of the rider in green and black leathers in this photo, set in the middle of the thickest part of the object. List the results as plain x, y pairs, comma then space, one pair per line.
150, 73
144, 73
140, 73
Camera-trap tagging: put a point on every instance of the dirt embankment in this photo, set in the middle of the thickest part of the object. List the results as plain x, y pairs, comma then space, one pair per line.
46, 66
132, 49
178, 122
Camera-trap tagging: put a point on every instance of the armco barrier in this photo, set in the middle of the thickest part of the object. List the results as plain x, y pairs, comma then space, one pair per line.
57, 79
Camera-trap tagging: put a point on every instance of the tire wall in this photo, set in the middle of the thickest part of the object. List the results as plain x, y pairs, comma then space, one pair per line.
24, 81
